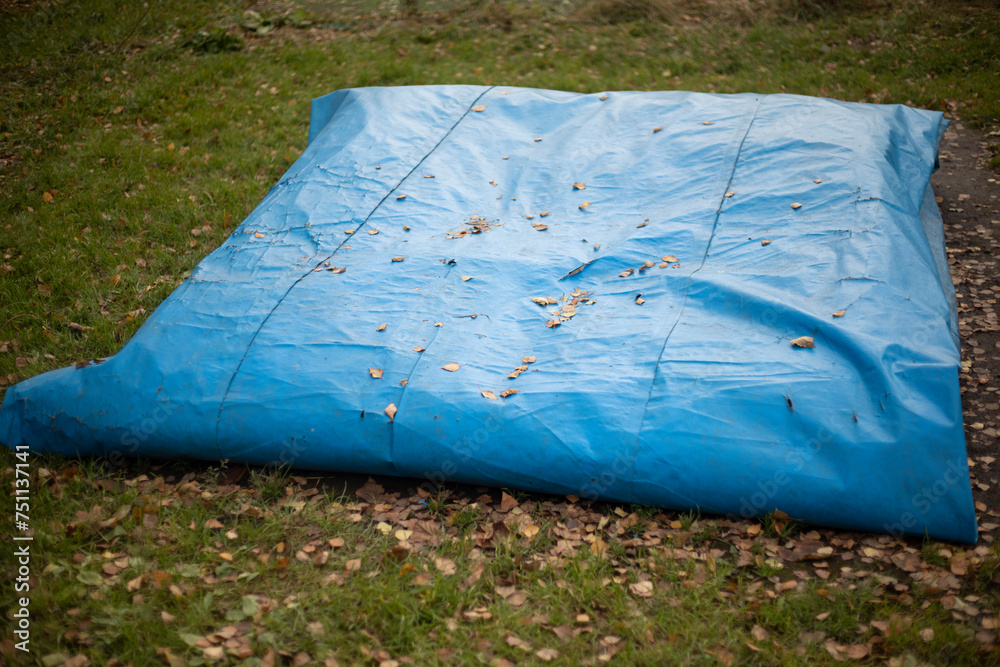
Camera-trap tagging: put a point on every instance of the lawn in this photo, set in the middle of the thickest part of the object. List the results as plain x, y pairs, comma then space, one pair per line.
133, 139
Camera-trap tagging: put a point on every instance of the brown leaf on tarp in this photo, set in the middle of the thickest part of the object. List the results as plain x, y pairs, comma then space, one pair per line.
766, 242
657, 129
839, 313
380, 327
539, 226
259, 235
399, 197
579, 186
796, 205
334, 269
639, 300
466, 278
552, 324
419, 349
729, 194
603, 97
584, 205
375, 372
391, 411
489, 394
626, 273
528, 360
507, 502
479, 107
398, 259
817, 180
543, 214
373, 232
647, 265
670, 258
803, 341
404, 382
451, 366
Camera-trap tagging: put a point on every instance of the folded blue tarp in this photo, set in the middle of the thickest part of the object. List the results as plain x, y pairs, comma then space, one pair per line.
657, 254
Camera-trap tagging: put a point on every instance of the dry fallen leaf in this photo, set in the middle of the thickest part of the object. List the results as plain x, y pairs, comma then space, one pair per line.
626, 273
584, 205
451, 366
428, 175
398, 259
817, 180
538, 138
528, 360
509, 392
579, 186
639, 300
539, 226
664, 265
466, 278
401, 197
647, 265
547, 654
603, 97
348, 231
706, 122
375, 372
489, 394
669, 258
259, 235
439, 324
642, 589
380, 327
552, 324
334, 269
766, 242
543, 213
796, 205
479, 107
418, 349
839, 313
803, 341
391, 411
657, 128
373, 232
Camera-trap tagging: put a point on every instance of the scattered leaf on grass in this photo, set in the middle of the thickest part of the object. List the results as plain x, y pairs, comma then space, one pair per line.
839, 313
489, 394
547, 654
803, 341
451, 366
479, 107
509, 392
642, 589
391, 411
375, 372
796, 205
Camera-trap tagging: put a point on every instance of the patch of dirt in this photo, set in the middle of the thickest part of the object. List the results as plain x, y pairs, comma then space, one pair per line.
968, 194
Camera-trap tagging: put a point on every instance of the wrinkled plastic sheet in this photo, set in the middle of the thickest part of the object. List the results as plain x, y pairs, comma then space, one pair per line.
676, 385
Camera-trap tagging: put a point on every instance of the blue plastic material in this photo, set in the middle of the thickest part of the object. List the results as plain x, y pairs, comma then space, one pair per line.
758, 219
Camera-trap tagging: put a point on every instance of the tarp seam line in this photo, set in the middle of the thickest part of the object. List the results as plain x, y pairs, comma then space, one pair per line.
413, 369
747, 122
236, 372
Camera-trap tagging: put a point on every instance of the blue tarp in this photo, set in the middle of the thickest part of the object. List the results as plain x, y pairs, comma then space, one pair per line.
655, 253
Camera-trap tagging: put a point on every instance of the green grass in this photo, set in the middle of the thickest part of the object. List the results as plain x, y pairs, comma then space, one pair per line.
132, 142
142, 567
